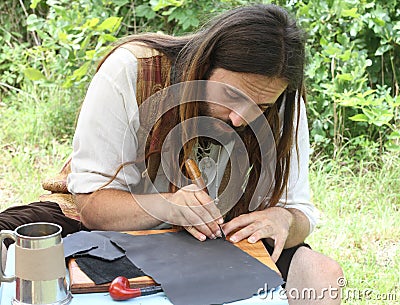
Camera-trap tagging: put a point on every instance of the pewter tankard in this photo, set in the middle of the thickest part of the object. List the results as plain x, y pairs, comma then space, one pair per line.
39, 265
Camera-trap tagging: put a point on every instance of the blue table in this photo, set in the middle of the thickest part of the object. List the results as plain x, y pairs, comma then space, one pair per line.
7, 293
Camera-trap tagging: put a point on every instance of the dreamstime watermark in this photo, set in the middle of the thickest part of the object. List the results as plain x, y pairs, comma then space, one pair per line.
340, 291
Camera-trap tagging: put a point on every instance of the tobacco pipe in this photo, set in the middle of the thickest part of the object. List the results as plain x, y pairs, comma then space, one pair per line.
120, 290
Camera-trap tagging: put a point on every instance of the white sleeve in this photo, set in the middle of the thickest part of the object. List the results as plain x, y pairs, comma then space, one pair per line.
105, 135
298, 193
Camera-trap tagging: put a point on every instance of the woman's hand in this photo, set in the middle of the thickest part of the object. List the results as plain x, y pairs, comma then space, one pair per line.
273, 223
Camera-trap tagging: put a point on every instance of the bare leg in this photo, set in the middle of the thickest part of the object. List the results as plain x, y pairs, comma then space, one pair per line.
313, 279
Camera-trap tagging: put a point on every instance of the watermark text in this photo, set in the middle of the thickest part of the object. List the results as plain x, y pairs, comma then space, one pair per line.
340, 291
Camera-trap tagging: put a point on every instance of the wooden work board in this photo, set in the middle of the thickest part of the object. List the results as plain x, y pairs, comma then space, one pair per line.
81, 283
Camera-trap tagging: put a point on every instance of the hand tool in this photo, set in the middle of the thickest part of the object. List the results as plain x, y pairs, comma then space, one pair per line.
195, 174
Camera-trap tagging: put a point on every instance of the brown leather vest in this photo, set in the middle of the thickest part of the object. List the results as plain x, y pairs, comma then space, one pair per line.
153, 75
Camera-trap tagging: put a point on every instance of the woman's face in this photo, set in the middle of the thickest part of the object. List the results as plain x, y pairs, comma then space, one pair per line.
241, 97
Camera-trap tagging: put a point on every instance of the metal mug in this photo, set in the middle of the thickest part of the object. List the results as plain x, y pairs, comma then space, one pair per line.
40, 271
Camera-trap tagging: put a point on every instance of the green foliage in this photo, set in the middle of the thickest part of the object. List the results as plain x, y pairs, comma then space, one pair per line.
72, 35
63, 41
352, 74
181, 16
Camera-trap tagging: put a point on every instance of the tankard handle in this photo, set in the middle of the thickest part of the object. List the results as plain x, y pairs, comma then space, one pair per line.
3, 235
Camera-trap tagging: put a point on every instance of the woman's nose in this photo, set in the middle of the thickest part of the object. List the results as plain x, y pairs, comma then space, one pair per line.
236, 119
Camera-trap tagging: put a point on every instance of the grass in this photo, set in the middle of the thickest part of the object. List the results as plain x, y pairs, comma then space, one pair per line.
359, 202
23, 169
37, 128
360, 225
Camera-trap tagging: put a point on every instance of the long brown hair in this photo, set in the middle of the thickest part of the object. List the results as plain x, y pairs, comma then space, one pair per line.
257, 39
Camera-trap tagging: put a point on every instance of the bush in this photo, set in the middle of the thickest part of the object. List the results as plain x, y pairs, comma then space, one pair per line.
352, 74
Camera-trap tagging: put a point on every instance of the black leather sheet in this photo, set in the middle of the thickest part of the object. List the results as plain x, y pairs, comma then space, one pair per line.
94, 244
101, 271
197, 273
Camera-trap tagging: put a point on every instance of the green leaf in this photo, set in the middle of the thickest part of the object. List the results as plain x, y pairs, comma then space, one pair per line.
345, 76
323, 41
332, 50
33, 74
395, 135
83, 45
396, 101
379, 22
144, 10
345, 56
91, 23
7, 36
394, 147
343, 39
350, 13
383, 49
349, 102
169, 12
359, 118
64, 53
31, 19
63, 37
157, 5
354, 30
368, 92
120, 2
33, 22
111, 24
90, 54
108, 37
34, 3
77, 75
377, 116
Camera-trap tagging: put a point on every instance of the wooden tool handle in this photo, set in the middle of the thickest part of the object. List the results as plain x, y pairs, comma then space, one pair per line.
192, 169
195, 174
